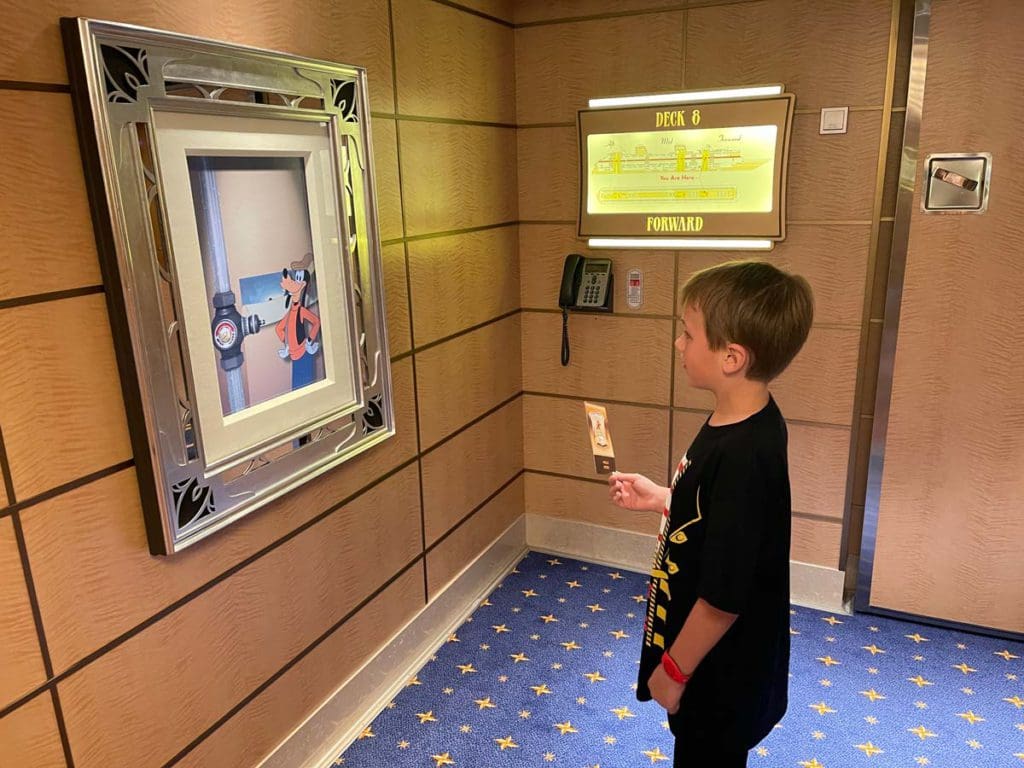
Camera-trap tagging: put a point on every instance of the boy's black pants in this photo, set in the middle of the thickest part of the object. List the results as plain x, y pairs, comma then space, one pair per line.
689, 754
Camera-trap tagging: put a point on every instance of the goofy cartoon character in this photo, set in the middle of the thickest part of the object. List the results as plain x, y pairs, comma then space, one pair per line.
300, 344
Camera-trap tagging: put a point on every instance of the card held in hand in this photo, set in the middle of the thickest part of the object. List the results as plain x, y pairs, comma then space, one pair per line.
600, 438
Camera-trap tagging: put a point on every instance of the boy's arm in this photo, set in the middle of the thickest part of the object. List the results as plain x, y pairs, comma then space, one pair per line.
704, 627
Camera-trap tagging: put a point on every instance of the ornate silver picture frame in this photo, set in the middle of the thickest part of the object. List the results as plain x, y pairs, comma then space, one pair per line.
233, 201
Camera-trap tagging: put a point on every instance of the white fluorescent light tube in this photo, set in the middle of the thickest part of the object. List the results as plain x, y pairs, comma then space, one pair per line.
666, 243
682, 98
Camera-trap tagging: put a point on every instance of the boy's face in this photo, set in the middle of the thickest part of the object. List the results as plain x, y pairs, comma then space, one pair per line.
701, 363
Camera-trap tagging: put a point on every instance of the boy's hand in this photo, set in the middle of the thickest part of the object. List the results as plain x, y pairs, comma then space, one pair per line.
636, 492
665, 690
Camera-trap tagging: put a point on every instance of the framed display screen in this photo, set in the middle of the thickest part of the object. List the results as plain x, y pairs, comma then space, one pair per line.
702, 170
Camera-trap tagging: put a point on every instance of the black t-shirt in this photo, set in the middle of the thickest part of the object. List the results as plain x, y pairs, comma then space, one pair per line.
725, 538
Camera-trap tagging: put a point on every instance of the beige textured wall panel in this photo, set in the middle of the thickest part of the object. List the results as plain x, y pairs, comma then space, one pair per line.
29, 736
527, 11
597, 368
22, 667
352, 33
832, 258
452, 63
818, 163
457, 176
826, 53
385, 168
469, 540
950, 527
94, 576
557, 439
396, 297
499, 9
461, 379
462, 281
816, 541
583, 501
548, 174
817, 386
560, 66
462, 473
818, 458
149, 697
62, 412
254, 732
542, 251
46, 246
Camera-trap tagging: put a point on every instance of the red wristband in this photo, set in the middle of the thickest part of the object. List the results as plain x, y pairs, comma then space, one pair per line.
673, 669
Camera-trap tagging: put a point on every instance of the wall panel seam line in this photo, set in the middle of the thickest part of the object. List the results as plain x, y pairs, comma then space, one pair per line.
8, 478
475, 12
291, 663
672, 366
62, 729
625, 14
504, 486
73, 485
38, 298
25, 85
448, 233
470, 424
167, 610
442, 120
465, 331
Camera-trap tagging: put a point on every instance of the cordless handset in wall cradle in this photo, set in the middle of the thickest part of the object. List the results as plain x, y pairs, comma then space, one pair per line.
587, 286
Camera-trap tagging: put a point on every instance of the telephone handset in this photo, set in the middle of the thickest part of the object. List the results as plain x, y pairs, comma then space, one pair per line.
587, 286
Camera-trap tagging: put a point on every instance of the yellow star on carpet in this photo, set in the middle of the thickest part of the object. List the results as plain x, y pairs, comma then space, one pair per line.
484, 647
874, 629
918, 657
1019, 726
872, 670
426, 717
518, 657
875, 650
811, 764
502, 678
1019, 755
618, 634
1016, 701
414, 680
440, 760
549, 618
584, 625
403, 744
961, 646
566, 727
640, 598
823, 708
524, 714
556, 561
529, 593
974, 744
581, 700
655, 755
541, 689
762, 751
964, 668
594, 677
573, 584
453, 638
871, 720
506, 743
571, 646
968, 691
919, 681
466, 668
817, 735
921, 732
832, 621
486, 603
825, 683
556, 665
500, 628
1011, 677
535, 637
922, 761
828, 661
917, 638
367, 734
595, 608
616, 576
1006, 655
873, 695
793, 632
485, 703
622, 713
970, 717
448, 691
466, 728
920, 705
609, 740
869, 749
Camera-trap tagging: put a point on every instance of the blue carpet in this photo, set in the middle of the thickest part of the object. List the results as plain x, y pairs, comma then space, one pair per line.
544, 672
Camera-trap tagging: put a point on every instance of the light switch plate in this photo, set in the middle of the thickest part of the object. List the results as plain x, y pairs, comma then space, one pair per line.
956, 182
833, 119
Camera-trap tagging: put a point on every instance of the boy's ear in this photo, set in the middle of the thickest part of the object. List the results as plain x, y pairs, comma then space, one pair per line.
735, 360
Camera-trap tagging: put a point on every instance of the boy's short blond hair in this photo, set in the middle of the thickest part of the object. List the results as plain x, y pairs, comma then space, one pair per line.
756, 305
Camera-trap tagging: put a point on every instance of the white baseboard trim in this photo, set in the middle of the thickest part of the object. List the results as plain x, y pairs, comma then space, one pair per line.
812, 586
326, 733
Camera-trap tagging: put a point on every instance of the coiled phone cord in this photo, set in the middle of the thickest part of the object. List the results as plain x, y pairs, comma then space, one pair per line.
565, 336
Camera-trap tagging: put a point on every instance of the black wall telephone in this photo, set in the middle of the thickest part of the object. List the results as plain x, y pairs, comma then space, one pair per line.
587, 286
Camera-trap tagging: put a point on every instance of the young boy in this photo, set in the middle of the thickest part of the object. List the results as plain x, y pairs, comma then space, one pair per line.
716, 640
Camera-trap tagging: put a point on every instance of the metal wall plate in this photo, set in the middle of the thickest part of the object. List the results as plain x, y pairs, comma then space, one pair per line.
956, 182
